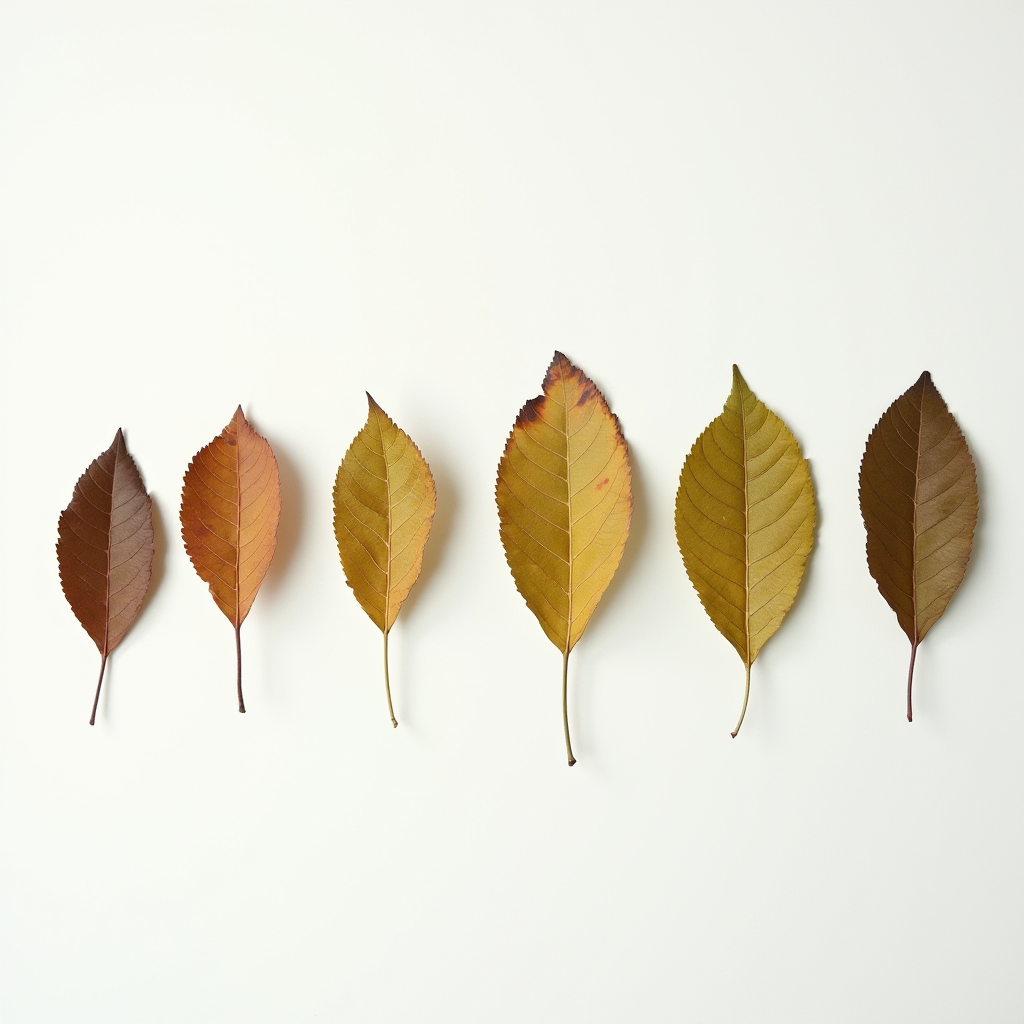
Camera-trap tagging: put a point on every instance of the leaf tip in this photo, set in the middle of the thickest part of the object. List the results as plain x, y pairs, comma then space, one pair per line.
559, 368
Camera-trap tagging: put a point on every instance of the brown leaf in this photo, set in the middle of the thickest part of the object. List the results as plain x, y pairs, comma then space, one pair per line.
230, 508
105, 550
919, 500
565, 503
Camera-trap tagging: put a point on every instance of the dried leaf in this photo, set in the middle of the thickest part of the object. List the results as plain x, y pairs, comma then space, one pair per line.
919, 500
230, 508
105, 550
564, 503
745, 522
384, 501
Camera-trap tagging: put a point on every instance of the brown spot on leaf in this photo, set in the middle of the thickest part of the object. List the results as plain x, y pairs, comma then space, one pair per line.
531, 411
601, 484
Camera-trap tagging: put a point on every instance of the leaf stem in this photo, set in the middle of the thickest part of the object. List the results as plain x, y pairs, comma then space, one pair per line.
238, 652
565, 705
96, 700
910, 682
746, 695
387, 682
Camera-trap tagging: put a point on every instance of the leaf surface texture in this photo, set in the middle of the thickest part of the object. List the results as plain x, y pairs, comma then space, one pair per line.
230, 510
384, 503
105, 549
564, 504
745, 517
919, 500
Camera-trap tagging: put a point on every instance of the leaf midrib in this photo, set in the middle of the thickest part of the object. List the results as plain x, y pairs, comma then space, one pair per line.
746, 530
568, 501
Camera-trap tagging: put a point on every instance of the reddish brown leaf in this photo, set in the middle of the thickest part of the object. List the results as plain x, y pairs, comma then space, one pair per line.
105, 550
919, 500
230, 508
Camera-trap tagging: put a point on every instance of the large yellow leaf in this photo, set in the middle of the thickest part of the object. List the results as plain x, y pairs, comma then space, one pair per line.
384, 501
564, 503
745, 522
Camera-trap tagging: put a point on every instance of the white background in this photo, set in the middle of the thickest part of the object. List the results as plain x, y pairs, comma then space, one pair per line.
285, 205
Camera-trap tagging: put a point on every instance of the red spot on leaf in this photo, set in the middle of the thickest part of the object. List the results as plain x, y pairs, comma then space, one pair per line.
601, 484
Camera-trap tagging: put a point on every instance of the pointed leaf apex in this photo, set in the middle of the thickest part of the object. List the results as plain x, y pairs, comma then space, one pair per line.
738, 383
925, 378
119, 439
370, 401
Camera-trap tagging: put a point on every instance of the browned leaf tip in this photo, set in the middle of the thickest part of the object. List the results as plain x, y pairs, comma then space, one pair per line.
105, 548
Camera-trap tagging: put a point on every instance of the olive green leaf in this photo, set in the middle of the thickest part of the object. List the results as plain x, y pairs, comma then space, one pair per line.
745, 522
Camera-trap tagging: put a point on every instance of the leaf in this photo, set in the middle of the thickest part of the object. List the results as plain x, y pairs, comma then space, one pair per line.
230, 508
745, 522
919, 500
564, 504
105, 550
384, 501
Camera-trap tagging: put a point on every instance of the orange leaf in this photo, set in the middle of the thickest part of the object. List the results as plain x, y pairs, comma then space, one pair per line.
230, 508
105, 550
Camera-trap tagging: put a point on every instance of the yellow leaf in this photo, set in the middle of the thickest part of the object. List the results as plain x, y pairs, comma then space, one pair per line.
384, 501
564, 503
745, 522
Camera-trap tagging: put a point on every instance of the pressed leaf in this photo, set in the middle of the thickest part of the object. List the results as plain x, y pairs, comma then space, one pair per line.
919, 500
230, 508
105, 550
564, 503
745, 522
384, 502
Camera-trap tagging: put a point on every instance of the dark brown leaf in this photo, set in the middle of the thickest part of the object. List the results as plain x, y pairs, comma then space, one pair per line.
105, 550
919, 500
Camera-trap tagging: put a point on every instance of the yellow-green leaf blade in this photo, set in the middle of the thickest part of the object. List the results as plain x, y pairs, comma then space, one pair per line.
384, 503
745, 520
